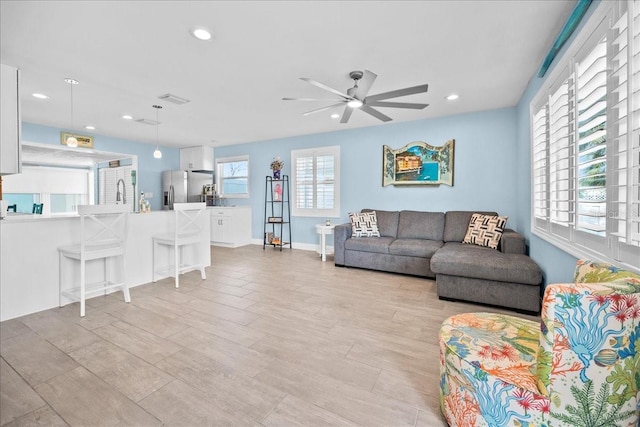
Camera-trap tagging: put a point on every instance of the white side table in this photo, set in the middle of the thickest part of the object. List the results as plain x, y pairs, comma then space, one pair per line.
324, 230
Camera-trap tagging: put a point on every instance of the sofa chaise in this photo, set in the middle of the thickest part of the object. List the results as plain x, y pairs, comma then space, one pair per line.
430, 244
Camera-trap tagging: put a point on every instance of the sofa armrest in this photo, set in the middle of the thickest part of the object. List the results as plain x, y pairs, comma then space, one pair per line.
512, 242
341, 233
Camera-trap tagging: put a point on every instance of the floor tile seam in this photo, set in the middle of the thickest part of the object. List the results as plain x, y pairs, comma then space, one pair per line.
32, 387
306, 324
261, 421
140, 359
16, 420
313, 369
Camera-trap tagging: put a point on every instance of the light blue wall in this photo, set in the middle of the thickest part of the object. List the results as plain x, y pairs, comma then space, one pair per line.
484, 168
149, 178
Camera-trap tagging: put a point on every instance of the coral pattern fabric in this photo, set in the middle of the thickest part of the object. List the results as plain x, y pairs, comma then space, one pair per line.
578, 367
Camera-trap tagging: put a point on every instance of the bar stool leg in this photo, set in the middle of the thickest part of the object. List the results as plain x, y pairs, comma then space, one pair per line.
153, 261
176, 263
82, 286
59, 279
125, 287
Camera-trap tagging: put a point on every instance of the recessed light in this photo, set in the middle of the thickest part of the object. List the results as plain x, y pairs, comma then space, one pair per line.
452, 97
40, 95
127, 117
90, 127
335, 115
201, 33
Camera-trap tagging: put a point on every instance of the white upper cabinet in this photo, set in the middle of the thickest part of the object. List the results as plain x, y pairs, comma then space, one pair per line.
196, 158
10, 130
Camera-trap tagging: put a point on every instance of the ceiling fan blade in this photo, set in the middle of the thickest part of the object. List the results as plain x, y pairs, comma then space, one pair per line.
325, 87
317, 110
375, 113
310, 99
398, 93
365, 83
346, 115
397, 105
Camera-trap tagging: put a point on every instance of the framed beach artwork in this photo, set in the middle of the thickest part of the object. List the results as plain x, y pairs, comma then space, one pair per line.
418, 163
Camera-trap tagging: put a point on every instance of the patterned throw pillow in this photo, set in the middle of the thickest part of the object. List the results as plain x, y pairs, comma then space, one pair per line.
364, 224
485, 230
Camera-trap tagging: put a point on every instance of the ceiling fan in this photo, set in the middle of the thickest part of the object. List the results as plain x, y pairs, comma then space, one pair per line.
356, 97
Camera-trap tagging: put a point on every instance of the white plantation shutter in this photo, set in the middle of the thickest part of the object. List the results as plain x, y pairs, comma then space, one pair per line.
624, 157
108, 180
560, 161
304, 182
591, 116
585, 142
325, 179
316, 182
540, 159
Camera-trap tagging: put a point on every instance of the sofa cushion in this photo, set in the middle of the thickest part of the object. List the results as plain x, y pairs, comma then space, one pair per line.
421, 225
415, 247
369, 244
364, 224
485, 230
387, 222
456, 224
458, 259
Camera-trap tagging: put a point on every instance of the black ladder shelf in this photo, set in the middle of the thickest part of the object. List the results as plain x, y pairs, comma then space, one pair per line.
277, 213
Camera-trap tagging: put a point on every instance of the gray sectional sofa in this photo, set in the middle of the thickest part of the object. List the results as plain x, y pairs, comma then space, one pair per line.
430, 244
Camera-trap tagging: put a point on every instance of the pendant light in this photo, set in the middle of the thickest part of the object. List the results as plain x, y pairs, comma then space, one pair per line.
157, 153
71, 140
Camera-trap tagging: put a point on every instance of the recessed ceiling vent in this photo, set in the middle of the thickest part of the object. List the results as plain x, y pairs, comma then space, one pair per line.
147, 122
173, 99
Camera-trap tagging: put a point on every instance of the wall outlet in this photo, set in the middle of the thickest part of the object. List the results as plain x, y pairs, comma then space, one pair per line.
148, 195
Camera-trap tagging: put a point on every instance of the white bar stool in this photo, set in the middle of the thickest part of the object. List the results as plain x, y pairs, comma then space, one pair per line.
103, 235
187, 231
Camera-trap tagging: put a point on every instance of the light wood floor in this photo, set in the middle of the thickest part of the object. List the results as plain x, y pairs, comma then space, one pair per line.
270, 338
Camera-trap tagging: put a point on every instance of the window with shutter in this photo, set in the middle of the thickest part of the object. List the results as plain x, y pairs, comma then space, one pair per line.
315, 182
585, 142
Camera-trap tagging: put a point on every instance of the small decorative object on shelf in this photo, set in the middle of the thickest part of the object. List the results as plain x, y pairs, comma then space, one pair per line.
277, 193
276, 167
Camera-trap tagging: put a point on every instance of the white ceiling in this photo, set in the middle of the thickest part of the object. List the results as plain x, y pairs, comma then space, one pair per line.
127, 53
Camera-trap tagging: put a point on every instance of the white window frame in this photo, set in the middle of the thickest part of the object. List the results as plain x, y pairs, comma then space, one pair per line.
220, 177
620, 248
315, 153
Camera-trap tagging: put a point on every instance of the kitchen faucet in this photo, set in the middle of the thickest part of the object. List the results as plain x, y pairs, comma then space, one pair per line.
122, 195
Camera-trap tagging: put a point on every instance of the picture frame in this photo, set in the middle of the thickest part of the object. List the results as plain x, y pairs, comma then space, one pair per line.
418, 163
84, 141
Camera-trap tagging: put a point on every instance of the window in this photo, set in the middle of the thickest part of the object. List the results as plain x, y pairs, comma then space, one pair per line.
232, 177
316, 182
585, 142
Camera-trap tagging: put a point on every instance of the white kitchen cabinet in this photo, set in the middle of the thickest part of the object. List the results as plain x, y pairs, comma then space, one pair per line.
10, 131
230, 226
196, 158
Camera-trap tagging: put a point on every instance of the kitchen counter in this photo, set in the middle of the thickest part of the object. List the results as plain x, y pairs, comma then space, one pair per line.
29, 256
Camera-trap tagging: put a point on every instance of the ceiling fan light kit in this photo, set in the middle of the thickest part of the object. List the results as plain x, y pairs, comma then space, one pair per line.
356, 97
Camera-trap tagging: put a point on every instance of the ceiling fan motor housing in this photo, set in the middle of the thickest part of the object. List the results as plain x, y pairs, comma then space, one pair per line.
356, 75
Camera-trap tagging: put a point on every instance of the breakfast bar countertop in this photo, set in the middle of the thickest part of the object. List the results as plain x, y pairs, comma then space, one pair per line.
29, 256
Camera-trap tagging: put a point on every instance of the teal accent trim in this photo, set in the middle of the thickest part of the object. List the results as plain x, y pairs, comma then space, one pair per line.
565, 33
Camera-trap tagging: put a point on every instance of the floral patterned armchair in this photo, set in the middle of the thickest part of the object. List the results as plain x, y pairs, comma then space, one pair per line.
578, 367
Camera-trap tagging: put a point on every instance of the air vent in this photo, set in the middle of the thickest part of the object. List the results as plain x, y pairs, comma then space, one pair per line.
147, 122
173, 99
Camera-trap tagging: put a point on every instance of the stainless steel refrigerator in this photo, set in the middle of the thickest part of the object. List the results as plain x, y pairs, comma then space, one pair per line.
184, 187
